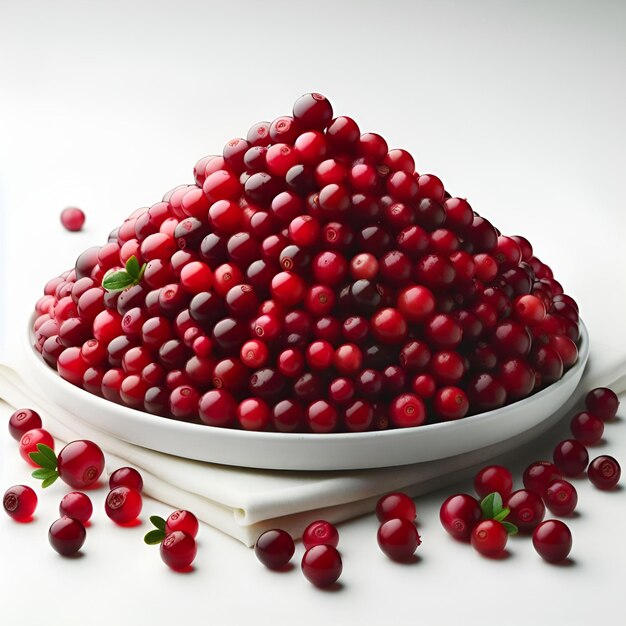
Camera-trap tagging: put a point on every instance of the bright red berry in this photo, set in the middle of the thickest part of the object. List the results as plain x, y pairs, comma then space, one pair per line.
126, 477
489, 537
320, 532
77, 505
182, 520
178, 550
398, 539
29, 441
20, 502
493, 478
123, 505
561, 497
526, 509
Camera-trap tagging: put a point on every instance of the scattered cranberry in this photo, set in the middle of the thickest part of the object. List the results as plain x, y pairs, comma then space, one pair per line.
77, 505
603, 403
552, 540
571, 457
321, 565
72, 219
30, 440
320, 532
123, 505
561, 497
604, 472
395, 505
80, 463
537, 476
178, 550
126, 477
274, 548
67, 536
493, 478
182, 520
22, 421
20, 502
587, 428
459, 514
526, 510
398, 539
489, 537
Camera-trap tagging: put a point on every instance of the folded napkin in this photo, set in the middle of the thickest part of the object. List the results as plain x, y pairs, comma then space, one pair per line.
244, 502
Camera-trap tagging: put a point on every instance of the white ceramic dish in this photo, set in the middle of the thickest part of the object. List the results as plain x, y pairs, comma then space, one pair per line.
307, 451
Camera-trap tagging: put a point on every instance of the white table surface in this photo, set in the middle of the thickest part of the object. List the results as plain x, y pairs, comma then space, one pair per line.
518, 106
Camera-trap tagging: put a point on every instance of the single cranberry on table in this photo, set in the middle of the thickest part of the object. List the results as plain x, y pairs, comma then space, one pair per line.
178, 550
587, 428
19, 502
395, 505
603, 403
123, 505
493, 478
126, 477
604, 472
398, 539
552, 539
77, 505
72, 219
29, 442
320, 532
489, 537
23, 420
322, 565
274, 548
67, 536
571, 457
527, 509
561, 497
459, 514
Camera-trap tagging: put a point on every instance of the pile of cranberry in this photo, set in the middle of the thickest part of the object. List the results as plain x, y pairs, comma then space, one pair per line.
80, 465
309, 280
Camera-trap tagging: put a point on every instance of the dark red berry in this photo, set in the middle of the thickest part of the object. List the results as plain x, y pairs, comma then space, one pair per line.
587, 428
526, 509
604, 472
537, 476
493, 478
123, 505
561, 497
395, 505
553, 540
274, 548
178, 550
602, 402
398, 539
321, 565
23, 420
571, 457
126, 477
67, 536
459, 514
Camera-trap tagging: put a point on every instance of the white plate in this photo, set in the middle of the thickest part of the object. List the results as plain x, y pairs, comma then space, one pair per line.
305, 451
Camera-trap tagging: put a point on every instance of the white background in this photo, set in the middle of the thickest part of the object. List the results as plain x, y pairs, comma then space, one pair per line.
516, 105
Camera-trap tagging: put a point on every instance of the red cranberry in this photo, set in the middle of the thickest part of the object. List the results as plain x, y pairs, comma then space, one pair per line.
398, 539
29, 441
602, 402
571, 457
253, 414
553, 540
604, 472
527, 509
72, 219
126, 477
407, 410
322, 416
80, 463
20, 502
274, 548
123, 505
320, 532
561, 497
537, 476
395, 505
178, 550
587, 428
450, 403
23, 420
76, 505
321, 565
312, 111
67, 536
493, 478
489, 537
184, 521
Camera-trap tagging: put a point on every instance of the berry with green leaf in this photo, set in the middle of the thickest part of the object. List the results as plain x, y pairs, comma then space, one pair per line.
118, 280
489, 537
492, 509
178, 548
30, 441
80, 463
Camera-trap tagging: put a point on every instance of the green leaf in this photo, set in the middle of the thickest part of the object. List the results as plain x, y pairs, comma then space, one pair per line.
48, 481
43, 473
142, 271
42, 460
510, 528
502, 515
48, 452
117, 281
159, 522
132, 267
154, 537
491, 505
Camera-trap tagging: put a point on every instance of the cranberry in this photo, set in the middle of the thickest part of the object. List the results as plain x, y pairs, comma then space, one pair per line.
23, 420
274, 548
77, 505
537, 476
182, 521
587, 428
493, 478
321, 565
126, 477
526, 509
322, 416
20, 502
602, 402
561, 497
407, 410
489, 537
67, 536
395, 505
80, 463
123, 505
604, 472
571, 457
459, 514
178, 550
398, 539
553, 540
31, 439
320, 532
312, 111
253, 414
72, 219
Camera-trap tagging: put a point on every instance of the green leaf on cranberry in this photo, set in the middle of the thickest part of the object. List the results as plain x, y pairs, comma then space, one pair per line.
131, 275
510, 528
491, 505
158, 522
499, 517
45, 457
154, 537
